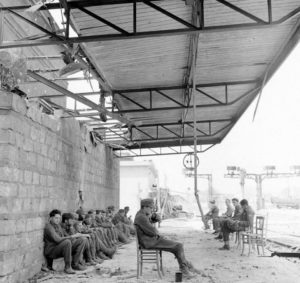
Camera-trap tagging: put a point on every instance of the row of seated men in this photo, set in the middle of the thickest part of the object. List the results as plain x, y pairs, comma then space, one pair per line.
238, 217
84, 239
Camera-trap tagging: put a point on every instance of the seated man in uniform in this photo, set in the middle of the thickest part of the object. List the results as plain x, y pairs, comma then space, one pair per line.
211, 214
128, 218
119, 222
57, 244
149, 238
218, 220
231, 225
236, 216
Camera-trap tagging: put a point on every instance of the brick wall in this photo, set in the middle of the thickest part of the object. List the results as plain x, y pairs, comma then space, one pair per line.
44, 162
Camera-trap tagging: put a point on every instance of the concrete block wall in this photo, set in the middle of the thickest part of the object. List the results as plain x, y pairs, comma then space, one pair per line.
44, 162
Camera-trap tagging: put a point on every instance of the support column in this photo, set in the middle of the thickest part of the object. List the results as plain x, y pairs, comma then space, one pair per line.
259, 197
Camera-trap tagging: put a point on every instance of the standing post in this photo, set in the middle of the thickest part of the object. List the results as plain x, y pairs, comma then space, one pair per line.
210, 187
259, 198
195, 134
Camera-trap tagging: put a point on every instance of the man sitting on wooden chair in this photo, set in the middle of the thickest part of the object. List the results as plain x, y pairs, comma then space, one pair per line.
149, 238
245, 221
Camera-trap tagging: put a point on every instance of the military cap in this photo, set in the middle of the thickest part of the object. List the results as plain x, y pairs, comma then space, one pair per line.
147, 202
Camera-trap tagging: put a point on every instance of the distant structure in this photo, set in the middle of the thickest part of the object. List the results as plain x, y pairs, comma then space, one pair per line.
137, 180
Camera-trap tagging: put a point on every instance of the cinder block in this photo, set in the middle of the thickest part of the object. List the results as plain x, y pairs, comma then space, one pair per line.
8, 189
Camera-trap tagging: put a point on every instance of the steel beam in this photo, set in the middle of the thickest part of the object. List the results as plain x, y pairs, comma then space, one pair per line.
204, 85
81, 99
140, 35
248, 93
175, 142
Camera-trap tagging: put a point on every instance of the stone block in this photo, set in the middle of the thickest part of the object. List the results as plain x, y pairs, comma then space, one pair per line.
27, 177
42, 134
36, 178
17, 205
8, 227
19, 140
37, 147
7, 243
7, 136
50, 181
28, 145
9, 174
59, 264
8, 155
34, 133
6, 99
20, 225
7, 265
44, 149
43, 180
19, 104
32, 158
8, 189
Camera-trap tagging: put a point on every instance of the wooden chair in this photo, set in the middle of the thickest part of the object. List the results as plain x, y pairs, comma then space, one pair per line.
257, 238
148, 256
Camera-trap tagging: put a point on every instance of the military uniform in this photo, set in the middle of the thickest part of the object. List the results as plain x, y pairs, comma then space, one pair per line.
212, 214
149, 238
245, 220
56, 245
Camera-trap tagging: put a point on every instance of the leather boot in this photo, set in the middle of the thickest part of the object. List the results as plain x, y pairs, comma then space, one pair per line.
186, 274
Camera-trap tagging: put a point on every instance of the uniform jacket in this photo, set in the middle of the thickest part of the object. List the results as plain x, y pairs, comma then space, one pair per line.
147, 235
237, 212
247, 218
53, 235
229, 211
213, 212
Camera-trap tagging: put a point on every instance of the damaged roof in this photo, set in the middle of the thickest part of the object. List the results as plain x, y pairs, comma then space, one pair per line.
152, 57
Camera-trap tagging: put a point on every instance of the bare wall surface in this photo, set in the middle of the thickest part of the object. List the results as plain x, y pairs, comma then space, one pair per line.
44, 162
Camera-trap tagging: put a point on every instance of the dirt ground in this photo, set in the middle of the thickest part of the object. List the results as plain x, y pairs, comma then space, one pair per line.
202, 249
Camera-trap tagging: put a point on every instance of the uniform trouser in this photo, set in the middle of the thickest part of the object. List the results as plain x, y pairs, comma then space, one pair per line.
173, 247
101, 247
103, 237
123, 228
230, 226
68, 250
217, 223
88, 250
121, 236
206, 218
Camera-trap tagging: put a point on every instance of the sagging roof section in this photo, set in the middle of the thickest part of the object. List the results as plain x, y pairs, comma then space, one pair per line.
142, 51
